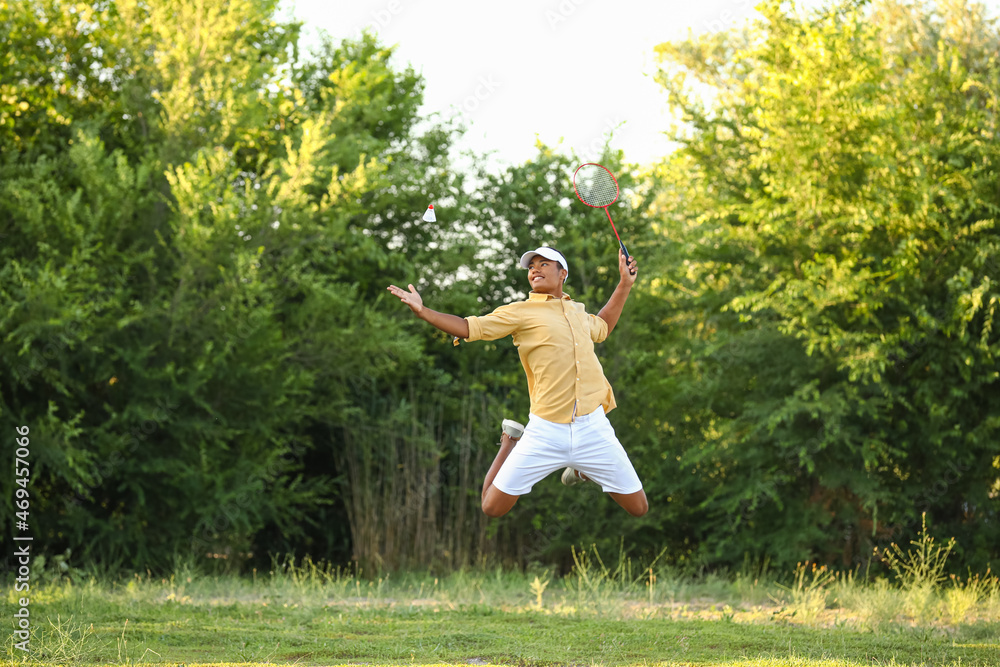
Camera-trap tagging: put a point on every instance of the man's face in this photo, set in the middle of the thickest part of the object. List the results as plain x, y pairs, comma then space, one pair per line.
545, 275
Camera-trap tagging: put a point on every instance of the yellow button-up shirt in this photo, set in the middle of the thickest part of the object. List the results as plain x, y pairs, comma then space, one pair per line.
555, 340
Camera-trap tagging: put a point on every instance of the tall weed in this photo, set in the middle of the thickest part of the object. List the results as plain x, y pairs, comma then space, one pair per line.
920, 571
875, 604
962, 600
807, 596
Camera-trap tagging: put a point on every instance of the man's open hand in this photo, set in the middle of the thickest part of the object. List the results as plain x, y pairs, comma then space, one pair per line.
411, 298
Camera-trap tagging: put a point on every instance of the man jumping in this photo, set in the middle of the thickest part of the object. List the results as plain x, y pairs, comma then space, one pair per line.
570, 397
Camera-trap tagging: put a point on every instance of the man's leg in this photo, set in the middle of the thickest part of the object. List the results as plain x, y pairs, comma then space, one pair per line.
634, 503
496, 502
602, 456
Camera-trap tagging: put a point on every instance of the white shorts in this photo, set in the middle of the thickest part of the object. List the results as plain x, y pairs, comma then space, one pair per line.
589, 445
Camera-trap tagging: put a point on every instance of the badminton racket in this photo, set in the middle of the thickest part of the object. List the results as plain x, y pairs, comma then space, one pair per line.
597, 187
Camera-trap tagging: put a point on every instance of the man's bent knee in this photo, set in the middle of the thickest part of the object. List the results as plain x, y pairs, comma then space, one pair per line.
633, 503
493, 511
639, 509
496, 503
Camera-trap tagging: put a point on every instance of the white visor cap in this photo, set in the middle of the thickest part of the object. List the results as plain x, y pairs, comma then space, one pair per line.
547, 253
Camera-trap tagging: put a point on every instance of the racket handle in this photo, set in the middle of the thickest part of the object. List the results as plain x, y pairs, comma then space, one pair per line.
625, 252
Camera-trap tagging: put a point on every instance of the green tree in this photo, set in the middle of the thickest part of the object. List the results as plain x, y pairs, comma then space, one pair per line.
183, 295
835, 193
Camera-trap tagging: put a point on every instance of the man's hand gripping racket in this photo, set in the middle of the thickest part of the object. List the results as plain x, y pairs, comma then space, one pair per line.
597, 187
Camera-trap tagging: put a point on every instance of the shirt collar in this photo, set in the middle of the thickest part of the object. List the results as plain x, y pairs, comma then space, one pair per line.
537, 296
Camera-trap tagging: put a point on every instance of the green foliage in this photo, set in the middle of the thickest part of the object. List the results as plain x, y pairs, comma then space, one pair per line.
186, 295
198, 223
835, 200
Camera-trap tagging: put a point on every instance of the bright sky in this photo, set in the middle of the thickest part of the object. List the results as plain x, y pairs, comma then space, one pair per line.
556, 70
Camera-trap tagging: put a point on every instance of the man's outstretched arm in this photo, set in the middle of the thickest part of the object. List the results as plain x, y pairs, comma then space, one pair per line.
613, 308
450, 324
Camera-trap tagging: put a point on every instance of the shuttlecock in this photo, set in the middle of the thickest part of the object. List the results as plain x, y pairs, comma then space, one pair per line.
429, 215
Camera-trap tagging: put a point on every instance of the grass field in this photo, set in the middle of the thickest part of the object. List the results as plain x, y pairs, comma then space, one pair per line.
309, 615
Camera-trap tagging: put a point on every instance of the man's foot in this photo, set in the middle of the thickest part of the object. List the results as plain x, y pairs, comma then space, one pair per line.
512, 428
571, 477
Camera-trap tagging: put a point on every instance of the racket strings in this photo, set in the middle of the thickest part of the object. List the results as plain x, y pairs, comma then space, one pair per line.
596, 186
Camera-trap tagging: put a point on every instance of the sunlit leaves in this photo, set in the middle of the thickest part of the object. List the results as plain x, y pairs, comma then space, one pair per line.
842, 179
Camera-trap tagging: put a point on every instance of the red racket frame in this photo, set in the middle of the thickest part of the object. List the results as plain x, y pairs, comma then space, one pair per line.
605, 207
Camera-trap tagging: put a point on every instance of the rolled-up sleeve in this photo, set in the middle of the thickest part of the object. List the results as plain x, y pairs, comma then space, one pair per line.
501, 322
598, 329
